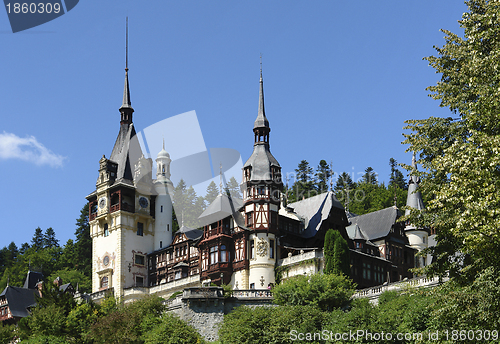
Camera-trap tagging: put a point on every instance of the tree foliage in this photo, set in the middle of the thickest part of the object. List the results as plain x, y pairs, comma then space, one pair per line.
460, 154
325, 291
336, 254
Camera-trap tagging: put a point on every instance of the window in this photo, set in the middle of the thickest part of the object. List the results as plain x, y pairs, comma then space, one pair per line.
139, 281
161, 209
106, 230
214, 255
271, 248
139, 259
161, 244
104, 282
178, 274
252, 285
140, 228
251, 250
249, 218
168, 227
223, 254
424, 239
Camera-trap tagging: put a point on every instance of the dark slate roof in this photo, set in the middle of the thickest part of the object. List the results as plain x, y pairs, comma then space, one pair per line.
120, 153
126, 104
261, 120
315, 210
261, 161
190, 233
180, 265
19, 299
67, 288
222, 207
32, 278
377, 224
358, 234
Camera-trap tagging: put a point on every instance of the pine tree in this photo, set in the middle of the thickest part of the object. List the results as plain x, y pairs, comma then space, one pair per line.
370, 176
304, 184
323, 175
49, 238
83, 243
397, 179
37, 240
233, 188
212, 192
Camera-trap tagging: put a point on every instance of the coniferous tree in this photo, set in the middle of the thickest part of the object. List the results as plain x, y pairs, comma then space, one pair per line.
323, 175
37, 240
370, 176
304, 184
397, 179
83, 243
233, 188
49, 238
329, 252
212, 192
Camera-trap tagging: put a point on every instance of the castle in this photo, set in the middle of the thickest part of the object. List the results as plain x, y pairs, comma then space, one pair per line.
246, 243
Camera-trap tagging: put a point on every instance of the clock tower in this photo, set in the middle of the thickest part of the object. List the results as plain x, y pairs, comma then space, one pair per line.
261, 187
122, 211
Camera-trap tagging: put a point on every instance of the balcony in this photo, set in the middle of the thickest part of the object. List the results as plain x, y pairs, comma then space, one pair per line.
292, 260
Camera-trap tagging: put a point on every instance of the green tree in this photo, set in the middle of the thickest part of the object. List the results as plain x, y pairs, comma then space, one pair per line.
303, 187
169, 329
323, 175
370, 176
325, 291
460, 154
83, 243
212, 192
397, 179
336, 254
187, 205
233, 188
344, 182
49, 238
37, 240
329, 251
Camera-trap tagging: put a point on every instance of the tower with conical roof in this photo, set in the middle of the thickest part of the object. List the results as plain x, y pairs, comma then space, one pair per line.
164, 190
417, 237
262, 185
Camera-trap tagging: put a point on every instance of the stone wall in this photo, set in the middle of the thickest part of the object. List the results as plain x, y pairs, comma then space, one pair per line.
204, 308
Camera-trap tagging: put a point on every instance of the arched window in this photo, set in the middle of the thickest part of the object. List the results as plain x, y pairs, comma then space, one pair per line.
104, 282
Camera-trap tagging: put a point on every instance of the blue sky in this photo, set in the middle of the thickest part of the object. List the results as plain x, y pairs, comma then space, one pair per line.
340, 77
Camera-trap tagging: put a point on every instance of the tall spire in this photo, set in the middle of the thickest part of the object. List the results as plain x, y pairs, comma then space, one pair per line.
126, 109
261, 120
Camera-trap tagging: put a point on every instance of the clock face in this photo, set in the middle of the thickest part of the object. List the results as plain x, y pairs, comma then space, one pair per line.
106, 261
143, 202
102, 202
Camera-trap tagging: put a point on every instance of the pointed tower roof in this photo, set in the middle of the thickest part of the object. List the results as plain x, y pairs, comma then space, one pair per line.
126, 150
261, 159
261, 120
414, 199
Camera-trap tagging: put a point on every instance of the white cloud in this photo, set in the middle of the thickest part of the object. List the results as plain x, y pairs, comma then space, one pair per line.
27, 149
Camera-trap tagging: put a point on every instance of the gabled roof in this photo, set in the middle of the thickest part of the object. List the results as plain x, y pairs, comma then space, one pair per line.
377, 224
190, 233
222, 207
19, 300
315, 210
32, 278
